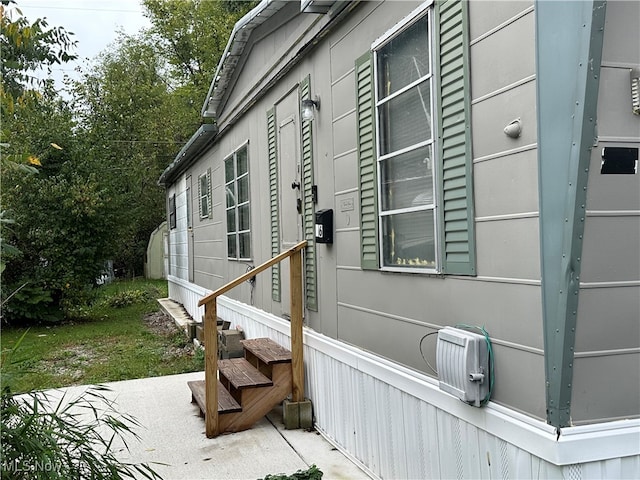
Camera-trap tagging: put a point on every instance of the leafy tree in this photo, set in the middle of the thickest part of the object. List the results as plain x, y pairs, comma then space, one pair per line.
98, 158
28, 46
194, 34
131, 124
52, 221
25, 47
36, 119
63, 228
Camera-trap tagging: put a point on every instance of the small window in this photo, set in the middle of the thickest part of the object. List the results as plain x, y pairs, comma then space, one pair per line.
172, 212
619, 160
236, 176
204, 194
189, 219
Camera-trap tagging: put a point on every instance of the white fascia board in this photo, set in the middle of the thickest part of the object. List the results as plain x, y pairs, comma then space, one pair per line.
234, 48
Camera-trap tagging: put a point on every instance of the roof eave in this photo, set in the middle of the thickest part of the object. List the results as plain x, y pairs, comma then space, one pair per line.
192, 150
232, 52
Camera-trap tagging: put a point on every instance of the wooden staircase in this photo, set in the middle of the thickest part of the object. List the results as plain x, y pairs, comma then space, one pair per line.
276, 372
248, 387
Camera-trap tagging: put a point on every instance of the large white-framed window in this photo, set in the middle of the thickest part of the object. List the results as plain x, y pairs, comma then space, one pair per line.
236, 177
404, 99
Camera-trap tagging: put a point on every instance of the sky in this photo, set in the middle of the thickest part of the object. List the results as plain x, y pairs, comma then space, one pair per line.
95, 24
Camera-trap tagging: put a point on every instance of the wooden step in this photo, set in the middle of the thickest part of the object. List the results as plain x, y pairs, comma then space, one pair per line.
226, 403
241, 374
267, 351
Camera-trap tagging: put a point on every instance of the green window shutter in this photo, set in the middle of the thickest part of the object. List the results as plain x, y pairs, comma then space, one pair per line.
273, 198
457, 230
367, 163
209, 205
199, 199
310, 279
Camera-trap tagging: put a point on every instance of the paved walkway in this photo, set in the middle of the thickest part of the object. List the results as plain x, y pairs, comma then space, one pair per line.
173, 435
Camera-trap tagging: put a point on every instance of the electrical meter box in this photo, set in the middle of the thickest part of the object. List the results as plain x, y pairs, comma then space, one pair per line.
463, 364
324, 226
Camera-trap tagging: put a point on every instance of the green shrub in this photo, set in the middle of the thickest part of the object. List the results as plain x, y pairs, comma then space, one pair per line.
313, 473
30, 303
128, 297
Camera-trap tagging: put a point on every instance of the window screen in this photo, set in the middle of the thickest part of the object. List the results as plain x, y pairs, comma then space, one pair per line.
405, 148
236, 168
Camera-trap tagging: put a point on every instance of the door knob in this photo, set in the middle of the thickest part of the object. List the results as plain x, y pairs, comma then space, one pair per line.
295, 185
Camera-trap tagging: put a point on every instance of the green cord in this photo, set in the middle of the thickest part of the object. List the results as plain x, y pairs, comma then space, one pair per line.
485, 400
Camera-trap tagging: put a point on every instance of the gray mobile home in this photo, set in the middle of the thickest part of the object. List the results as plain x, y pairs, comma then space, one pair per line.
449, 163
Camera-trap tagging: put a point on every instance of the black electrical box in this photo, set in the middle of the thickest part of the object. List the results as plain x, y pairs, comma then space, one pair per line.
324, 226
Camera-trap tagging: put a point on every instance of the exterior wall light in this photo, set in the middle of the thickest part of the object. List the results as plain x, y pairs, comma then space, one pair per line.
635, 90
307, 106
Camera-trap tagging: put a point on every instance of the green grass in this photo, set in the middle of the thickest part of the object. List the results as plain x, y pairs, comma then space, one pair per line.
113, 343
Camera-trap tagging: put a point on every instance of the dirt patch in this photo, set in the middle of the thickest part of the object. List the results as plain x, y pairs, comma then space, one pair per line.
163, 325
70, 362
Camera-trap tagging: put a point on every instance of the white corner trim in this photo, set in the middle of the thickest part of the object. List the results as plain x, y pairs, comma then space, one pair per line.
600, 441
580, 444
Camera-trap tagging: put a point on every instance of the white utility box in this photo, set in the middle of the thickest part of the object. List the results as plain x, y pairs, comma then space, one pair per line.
463, 364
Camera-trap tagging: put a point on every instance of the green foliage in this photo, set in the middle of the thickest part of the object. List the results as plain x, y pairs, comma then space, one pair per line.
59, 436
64, 241
131, 124
109, 344
27, 46
99, 155
32, 303
127, 297
34, 124
184, 31
313, 473
7, 251
45, 441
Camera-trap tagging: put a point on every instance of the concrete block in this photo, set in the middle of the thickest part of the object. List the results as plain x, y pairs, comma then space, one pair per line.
191, 330
229, 345
306, 414
224, 353
290, 414
200, 332
297, 414
231, 339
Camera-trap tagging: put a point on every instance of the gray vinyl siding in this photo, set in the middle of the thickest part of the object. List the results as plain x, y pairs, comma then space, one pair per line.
388, 313
491, 193
206, 239
381, 312
608, 330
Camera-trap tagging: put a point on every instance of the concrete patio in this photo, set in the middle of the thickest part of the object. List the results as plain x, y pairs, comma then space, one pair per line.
173, 441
